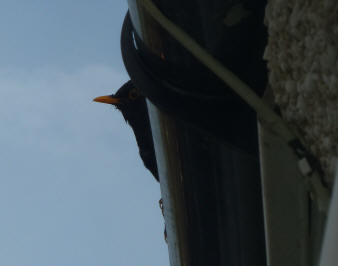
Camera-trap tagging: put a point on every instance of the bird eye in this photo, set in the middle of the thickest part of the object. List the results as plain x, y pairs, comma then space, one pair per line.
133, 94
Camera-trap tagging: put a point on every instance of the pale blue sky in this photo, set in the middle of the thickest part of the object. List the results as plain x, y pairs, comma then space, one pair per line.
73, 190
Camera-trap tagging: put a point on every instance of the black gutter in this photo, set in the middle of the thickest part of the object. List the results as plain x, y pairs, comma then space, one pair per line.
205, 136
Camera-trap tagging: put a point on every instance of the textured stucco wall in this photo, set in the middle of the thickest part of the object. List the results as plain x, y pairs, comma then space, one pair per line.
302, 55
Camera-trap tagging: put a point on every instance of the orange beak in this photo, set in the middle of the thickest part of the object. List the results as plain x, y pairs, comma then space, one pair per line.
107, 99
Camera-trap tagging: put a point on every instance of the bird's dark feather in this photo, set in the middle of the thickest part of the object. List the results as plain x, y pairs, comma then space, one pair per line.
135, 113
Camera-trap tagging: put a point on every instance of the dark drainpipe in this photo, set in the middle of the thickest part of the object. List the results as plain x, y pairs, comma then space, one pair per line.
205, 136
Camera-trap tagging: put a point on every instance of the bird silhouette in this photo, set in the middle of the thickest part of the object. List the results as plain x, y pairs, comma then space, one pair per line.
134, 109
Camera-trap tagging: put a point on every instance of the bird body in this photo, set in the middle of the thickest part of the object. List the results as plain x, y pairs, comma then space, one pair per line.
134, 109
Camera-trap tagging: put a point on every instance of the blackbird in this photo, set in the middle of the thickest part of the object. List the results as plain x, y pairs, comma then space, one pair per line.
134, 109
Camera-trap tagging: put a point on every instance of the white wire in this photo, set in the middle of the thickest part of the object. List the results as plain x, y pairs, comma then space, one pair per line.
242, 89
269, 117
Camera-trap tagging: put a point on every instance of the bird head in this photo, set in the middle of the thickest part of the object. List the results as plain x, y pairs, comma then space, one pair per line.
127, 99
